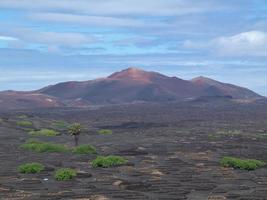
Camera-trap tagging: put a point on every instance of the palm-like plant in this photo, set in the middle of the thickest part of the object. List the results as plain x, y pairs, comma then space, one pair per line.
75, 130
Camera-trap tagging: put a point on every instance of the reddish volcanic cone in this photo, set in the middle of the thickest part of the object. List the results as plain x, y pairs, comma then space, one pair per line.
127, 86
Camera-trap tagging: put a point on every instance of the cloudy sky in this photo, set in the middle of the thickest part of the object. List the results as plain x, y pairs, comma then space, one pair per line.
47, 41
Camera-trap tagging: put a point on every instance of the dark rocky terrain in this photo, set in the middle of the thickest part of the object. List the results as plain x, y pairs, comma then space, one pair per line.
173, 149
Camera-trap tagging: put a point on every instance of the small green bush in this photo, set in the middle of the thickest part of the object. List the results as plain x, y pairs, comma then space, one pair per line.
260, 135
229, 133
44, 132
84, 149
213, 136
108, 161
31, 168
22, 116
245, 164
60, 125
24, 123
65, 174
105, 131
43, 147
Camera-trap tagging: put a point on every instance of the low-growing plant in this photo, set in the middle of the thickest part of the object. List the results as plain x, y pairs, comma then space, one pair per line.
42, 147
261, 135
24, 123
65, 174
105, 131
22, 116
229, 133
213, 136
245, 164
108, 161
44, 132
31, 168
84, 149
60, 125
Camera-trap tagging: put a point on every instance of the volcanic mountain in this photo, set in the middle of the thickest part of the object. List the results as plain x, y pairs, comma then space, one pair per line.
135, 85
127, 86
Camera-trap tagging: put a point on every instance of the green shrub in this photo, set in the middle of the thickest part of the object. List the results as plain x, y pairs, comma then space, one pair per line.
260, 135
44, 132
43, 147
229, 133
24, 123
31, 168
105, 131
60, 125
22, 116
213, 136
84, 149
108, 161
65, 174
245, 164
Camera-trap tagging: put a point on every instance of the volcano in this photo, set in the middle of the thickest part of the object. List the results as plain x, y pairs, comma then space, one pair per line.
131, 85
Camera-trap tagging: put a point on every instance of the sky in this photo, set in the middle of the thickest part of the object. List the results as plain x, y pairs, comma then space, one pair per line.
43, 42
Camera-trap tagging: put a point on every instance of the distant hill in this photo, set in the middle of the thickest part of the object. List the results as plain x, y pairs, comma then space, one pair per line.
21, 100
128, 86
211, 87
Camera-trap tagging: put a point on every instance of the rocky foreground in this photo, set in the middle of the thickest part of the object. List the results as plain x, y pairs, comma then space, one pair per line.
174, 152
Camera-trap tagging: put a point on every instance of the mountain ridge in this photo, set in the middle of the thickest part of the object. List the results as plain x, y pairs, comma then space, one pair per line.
130, 85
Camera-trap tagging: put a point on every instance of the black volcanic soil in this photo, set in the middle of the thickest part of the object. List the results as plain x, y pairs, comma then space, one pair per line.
174, 152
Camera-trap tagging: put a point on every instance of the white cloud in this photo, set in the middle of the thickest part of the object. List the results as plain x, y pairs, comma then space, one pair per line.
134, 23
68, 39
48, 38
140, 42
7, 38
85, 19
252, 43
115, 7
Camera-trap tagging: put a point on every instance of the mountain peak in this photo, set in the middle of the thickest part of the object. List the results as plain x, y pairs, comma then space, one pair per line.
134, 69
133, 73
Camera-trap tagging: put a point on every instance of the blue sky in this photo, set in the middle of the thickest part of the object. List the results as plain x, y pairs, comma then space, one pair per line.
45, 42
